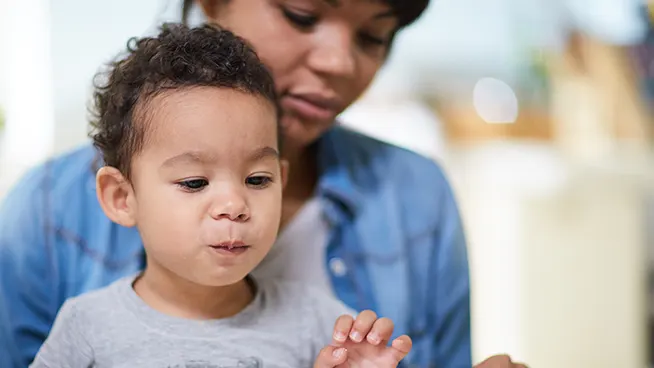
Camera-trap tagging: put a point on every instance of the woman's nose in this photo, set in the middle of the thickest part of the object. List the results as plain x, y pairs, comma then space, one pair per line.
332, 53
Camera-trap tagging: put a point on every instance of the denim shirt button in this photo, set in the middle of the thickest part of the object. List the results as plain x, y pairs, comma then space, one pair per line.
338, 267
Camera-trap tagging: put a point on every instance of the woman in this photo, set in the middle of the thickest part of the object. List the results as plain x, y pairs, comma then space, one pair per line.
375, 224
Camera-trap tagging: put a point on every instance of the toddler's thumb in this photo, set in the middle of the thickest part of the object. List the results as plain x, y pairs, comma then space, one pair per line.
330, 357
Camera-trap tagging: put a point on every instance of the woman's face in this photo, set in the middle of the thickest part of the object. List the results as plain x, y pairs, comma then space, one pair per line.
322, 53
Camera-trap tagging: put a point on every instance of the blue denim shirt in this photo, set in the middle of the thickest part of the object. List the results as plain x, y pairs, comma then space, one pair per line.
395, 234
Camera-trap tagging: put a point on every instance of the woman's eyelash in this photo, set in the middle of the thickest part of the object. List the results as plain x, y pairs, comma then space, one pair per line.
372, 40
300, 20
308, 21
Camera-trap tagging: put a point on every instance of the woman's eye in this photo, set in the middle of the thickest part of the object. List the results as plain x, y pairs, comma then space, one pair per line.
300, 20
193, 185
258, 181
370, 40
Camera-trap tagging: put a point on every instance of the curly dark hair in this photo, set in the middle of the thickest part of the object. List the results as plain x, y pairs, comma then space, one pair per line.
178, 57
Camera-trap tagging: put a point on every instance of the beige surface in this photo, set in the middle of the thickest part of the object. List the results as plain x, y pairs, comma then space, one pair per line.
583, 277
557, 254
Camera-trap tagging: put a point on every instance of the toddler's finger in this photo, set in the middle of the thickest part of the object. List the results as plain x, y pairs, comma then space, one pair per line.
382, 330
362, 325
342, 328
401, 347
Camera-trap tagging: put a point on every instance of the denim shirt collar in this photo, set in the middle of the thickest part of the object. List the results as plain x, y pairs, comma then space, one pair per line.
336, 182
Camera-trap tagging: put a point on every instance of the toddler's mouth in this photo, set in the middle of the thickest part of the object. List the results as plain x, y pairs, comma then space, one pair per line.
230, 247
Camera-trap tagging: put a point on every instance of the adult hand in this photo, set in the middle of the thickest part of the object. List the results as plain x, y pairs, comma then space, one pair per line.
500, 361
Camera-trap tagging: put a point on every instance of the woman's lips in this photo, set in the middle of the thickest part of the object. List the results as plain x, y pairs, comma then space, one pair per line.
310, 108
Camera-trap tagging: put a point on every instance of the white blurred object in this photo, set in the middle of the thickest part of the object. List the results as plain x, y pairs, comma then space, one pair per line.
457, 42
27, 82
613, 21
85, 36
406, 123
495, 101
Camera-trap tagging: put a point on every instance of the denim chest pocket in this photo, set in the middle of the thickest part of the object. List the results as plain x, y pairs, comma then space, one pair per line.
418, 309
420, 257
399, 277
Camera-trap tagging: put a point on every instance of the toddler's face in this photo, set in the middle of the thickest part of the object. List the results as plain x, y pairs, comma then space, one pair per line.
208, 184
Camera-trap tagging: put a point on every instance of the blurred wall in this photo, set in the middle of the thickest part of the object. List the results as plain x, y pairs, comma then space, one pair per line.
26, 83
86, 35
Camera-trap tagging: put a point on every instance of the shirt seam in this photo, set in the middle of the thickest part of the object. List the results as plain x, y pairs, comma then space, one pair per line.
78, 241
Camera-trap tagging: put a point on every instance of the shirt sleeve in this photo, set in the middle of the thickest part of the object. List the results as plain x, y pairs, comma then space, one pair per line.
28, 280
66, 346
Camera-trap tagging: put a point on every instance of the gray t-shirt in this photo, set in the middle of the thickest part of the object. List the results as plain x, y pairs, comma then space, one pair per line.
285, 326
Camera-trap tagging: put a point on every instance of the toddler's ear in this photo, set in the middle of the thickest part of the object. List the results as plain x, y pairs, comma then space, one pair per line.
116, 196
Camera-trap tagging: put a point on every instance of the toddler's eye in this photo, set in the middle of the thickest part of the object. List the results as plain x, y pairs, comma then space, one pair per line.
258, 181
193, 185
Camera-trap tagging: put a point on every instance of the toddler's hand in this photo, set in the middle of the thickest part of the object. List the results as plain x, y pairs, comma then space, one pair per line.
363, 344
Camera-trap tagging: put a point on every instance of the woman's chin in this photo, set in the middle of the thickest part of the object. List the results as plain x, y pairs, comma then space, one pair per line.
299, 134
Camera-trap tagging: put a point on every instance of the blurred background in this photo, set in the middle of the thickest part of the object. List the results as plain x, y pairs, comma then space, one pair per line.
540, 111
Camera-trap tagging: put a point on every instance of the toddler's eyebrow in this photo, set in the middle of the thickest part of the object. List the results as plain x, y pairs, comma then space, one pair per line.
188, 158
263, 153
191, 157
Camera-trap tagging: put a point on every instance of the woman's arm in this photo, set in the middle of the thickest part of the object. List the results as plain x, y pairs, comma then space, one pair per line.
27, 279
450, 293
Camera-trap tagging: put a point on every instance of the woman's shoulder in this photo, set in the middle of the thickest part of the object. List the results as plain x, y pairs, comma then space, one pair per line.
383, 176
388, 162
78, 164
60, 189
62, 172
354, 143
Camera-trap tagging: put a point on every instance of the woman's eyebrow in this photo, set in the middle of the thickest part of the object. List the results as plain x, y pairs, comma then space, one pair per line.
334, 3
338, 3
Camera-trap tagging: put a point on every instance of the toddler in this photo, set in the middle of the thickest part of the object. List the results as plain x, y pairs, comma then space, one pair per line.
187, 124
